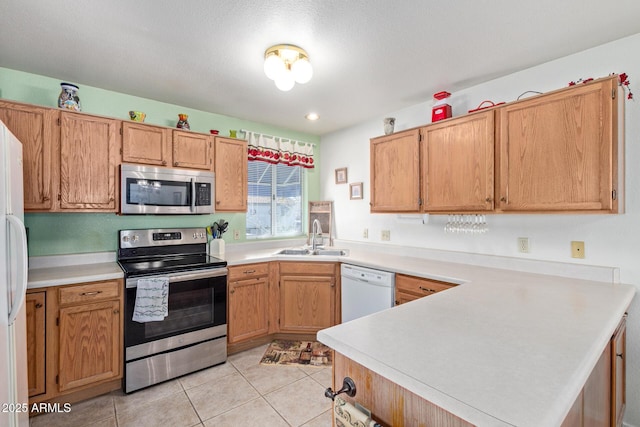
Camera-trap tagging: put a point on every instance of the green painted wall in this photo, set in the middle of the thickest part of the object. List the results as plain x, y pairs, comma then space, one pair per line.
64, 233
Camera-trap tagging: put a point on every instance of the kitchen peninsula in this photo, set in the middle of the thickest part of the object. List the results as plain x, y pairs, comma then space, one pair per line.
502, 349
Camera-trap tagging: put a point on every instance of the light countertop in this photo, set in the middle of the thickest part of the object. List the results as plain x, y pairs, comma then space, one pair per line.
506, 347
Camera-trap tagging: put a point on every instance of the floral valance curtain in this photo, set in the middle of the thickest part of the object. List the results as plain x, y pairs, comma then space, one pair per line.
273, 149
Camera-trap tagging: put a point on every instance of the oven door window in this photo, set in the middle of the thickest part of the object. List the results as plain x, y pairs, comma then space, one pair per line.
193, 305
158, 192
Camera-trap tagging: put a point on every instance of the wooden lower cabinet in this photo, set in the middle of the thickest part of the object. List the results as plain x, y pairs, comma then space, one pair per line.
75, 341
36, 325
248, 302
89, 344
602, 400
409, 288
307, 296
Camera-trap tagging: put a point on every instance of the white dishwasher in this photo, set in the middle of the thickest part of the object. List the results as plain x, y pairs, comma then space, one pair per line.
365, 291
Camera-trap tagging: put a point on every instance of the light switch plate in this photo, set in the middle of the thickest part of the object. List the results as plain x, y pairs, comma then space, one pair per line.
385, 235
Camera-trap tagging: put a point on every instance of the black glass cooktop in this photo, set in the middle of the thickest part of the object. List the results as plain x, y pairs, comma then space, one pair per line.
169, 264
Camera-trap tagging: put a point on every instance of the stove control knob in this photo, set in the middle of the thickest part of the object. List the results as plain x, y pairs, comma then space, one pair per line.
125, 239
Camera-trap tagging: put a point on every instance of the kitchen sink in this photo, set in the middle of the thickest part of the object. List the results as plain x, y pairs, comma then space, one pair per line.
307, 251
331, 252
294, 252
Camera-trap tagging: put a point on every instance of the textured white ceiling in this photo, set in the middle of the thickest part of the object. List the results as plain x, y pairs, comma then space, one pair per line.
370, 57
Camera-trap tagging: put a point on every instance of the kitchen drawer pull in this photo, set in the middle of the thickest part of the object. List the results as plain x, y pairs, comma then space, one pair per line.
88, 294
426, 289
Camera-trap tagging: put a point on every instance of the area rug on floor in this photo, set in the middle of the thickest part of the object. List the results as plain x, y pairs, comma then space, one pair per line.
297, 353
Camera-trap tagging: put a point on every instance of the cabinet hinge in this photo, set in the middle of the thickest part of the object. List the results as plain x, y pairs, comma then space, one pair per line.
59, 122
278, 322
614, 194
613, 93
121, 133
419, 137
57, 379
59, 197
419, 201
121, 151
57, 321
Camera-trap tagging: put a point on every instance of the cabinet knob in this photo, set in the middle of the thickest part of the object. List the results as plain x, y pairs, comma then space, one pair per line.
217, 202
232, 291
116, 311
164, 163
38, 305
503, 199
488, 200
175, 163
45, 199
620, 355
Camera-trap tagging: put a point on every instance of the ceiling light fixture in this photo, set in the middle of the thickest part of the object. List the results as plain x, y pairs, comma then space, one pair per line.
312, 116
287, 65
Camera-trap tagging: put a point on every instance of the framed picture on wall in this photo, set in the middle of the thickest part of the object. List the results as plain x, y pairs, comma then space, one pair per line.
341, 176
355, 191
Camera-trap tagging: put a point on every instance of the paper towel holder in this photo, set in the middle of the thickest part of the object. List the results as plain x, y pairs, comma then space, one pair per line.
348, 386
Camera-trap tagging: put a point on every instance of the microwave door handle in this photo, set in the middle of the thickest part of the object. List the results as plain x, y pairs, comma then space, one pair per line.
193, 195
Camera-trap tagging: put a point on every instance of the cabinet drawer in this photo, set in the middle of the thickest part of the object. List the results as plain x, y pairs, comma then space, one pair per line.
240, 272
90, 292
308, 268
420, 286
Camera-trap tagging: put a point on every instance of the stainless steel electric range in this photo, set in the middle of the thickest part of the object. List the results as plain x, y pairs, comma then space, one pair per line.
193, 335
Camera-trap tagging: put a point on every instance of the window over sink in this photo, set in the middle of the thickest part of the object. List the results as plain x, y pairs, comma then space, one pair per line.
275, 200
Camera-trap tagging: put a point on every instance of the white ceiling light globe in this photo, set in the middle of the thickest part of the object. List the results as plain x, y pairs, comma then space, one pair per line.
302, 70
274, 66
285, 81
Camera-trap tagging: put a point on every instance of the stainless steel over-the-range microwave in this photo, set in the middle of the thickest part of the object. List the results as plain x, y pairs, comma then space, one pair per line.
165, 191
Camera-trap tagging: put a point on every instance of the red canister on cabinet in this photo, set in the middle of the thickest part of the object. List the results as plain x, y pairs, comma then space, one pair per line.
441, 110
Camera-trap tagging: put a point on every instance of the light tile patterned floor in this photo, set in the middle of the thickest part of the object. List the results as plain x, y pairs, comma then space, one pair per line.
239, 393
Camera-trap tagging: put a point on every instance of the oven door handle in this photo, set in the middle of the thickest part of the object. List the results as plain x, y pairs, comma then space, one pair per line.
181, 277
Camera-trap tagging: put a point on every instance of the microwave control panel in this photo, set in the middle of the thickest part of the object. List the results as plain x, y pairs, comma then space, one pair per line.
203, 194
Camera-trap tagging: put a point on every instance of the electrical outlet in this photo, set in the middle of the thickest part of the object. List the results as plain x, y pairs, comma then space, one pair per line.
236, 234
523, 245
577, 249
365, 233
385, 235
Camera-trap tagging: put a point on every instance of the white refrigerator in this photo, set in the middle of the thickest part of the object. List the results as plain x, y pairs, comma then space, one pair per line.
14, 398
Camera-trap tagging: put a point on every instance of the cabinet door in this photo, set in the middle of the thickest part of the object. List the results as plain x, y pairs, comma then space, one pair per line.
231, 175
457, 164
395, 172
37, 129
192, 150
248, 309
36, 362
89, 344
307, 303
558, 152
89, 148
618, 374
149, 145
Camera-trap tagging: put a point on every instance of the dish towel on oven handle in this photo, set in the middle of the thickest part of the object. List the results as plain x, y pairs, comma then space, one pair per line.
347, 415
152, 300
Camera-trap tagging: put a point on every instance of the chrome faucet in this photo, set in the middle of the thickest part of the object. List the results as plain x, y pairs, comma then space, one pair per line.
316, 231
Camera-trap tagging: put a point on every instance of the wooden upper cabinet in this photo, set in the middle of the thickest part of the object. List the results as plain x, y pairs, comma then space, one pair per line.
192, 150
558, 152
146, 144
231, 170
89, 152
37, 129
457, 164
395, 172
